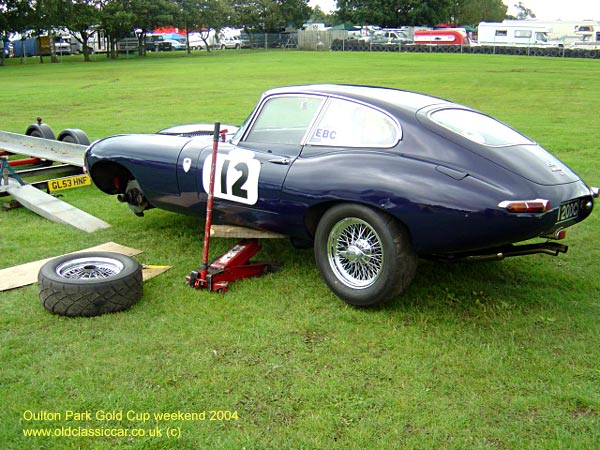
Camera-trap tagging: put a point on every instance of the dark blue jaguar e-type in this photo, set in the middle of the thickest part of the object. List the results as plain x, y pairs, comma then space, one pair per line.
372, 176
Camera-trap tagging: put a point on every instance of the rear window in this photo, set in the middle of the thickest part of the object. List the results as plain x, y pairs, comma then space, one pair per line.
478, 128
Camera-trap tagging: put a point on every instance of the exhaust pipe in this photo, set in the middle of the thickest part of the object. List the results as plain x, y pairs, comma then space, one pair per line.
546, 248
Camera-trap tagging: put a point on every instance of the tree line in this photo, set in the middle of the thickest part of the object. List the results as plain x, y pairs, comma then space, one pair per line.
118, 18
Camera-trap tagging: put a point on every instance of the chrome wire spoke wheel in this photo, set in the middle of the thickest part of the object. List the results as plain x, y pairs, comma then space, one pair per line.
89, 268
355, 253
364, 255
90, 283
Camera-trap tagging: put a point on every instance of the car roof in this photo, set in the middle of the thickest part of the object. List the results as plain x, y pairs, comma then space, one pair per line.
388, 98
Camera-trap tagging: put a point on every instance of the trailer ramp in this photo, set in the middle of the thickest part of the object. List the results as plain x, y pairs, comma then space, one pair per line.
36, 200
64, 152
54, 209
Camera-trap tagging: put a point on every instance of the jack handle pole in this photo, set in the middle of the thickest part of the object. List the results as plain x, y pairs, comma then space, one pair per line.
209, 203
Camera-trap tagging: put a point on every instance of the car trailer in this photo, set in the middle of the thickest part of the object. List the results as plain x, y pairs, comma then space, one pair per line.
44, 156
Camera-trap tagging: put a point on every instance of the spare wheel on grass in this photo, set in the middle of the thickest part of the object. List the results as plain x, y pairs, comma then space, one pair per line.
89, 283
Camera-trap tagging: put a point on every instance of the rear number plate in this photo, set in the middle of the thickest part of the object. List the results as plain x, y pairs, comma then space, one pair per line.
69, 183
568, 211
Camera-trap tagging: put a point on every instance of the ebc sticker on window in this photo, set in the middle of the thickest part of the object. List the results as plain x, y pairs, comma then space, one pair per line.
236, 176
324, 134
350, 124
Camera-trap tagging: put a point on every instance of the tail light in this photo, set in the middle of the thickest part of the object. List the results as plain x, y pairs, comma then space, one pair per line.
525, 206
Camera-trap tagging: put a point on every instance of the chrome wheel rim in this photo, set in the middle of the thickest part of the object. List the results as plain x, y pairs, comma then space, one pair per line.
89, 268
355, 253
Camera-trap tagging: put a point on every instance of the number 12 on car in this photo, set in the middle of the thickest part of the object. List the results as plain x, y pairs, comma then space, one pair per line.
236, 176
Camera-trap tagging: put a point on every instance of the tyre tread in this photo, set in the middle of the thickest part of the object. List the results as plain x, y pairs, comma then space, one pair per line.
88, 300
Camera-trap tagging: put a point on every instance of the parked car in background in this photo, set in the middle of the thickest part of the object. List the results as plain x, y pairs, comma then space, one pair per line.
154, 42
174, 45
234, 42
158, 43
371, 177
389, 37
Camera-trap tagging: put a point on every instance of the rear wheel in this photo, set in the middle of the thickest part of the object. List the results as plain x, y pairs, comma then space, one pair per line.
365, 256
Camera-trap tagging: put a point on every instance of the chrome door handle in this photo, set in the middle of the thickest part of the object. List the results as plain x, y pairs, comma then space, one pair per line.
282, 161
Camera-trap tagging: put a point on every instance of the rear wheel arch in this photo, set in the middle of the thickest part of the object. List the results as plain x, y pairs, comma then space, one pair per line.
316, 212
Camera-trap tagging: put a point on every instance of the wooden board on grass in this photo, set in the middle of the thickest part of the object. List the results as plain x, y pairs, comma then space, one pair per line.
25, 274
231, 231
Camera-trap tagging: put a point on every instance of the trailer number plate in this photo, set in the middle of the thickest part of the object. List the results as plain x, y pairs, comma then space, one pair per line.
69, 183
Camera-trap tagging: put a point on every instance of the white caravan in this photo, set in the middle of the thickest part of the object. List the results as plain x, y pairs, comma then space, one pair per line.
517, 33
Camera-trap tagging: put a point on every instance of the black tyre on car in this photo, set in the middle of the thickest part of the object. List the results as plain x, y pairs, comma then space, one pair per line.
365, 256
89, 284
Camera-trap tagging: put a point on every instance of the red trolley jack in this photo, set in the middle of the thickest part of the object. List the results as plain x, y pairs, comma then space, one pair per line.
233, 265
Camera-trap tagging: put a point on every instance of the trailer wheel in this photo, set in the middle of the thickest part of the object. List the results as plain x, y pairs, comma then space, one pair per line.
74, 136
40, 130
89, 284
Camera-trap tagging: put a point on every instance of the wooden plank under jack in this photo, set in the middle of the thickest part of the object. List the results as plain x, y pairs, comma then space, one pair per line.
54, 209
231, 231
25, 274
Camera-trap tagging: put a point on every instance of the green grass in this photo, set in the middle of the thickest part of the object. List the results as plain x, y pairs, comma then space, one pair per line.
490, 356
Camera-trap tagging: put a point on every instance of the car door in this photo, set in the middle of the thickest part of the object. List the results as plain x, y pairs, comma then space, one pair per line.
251, 171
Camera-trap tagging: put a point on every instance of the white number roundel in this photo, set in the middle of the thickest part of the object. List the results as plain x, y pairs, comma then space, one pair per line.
236, 176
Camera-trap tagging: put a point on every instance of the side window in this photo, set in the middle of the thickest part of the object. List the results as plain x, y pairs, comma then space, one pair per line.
284, 120
501, 33
478, 127
523, 34
349, 124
